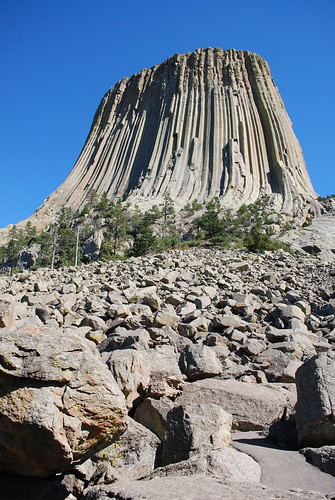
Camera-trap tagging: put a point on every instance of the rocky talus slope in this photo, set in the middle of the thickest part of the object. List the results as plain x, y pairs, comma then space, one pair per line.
202, 124
128, 380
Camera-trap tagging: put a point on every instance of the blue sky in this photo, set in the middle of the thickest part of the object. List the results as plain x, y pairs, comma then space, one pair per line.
59, 58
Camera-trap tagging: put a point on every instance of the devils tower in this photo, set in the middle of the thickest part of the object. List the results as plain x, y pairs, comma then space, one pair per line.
202, 124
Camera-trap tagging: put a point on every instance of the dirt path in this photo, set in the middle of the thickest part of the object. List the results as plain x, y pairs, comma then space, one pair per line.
283, 469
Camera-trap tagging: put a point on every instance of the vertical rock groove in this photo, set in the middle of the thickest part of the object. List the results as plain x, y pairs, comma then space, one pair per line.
202, 124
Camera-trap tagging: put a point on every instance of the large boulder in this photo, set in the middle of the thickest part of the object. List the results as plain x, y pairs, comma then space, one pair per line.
58, 403
165, 375
253, 406
92, 246
195, 428
199, 361
133, 456
6, 311
315, 414
274, 363
152, 413
225, 463
131, 371
122, 338
323, 458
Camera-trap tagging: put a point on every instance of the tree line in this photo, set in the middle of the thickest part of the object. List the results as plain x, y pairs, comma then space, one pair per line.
127, 231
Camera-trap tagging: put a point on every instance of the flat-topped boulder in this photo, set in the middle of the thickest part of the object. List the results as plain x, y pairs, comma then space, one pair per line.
253, 406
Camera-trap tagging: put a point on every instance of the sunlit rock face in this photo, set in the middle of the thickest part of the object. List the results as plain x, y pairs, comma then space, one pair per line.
202, 124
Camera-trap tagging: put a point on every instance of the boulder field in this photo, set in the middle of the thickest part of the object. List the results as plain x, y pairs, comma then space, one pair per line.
130, 379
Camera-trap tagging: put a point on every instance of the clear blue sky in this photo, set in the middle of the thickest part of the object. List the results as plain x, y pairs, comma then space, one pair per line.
58, 58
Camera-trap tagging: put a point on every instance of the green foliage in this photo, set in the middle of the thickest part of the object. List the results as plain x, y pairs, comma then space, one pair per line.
226, 240
166, 242
30, 231
65, 217
3, 255
18, 239
85, 211
107, 251
167, 207
188, 244
117, 223
59, 243
66, 247
214, 205
92, 198
153, 230
144, 238
287, 226
209, 225
191, 208
144, 242
257, 241
250, 226
154, 214
44, 240
167, 211
15, 243
215, 224
103, 204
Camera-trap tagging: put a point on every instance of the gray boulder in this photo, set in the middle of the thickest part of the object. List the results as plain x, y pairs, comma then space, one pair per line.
152, 413
225, 463
59, 403
6, 311
131, 371
166, 318
122, 338
273, 363
253, 406
199, 361
92, 245
315, 415
132, 455
165, 375
323, 458
195, 428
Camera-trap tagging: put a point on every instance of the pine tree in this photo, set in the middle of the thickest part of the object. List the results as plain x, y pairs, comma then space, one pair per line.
117, 225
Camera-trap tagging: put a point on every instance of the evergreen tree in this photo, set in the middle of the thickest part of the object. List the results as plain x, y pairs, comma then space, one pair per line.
92, 198
117, 225
103, 205
168, 227
30, 231
143, 243
15, 243
45, 241
210, 222
3, 255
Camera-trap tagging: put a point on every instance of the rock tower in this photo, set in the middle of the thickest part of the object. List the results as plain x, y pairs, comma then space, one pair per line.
202, 124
